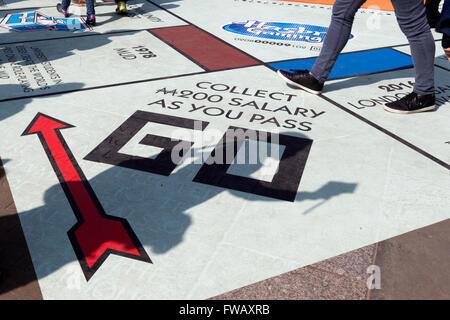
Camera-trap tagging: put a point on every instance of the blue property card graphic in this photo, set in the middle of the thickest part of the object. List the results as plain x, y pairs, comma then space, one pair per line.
354, 63
34, 21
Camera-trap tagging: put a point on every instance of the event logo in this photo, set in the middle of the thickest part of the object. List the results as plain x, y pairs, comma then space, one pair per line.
34, 20
279, 30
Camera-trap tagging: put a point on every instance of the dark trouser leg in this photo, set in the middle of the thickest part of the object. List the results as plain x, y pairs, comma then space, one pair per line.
90, 7
432, 10
413, 22
432, 5
65, 4
336, 38
444, 24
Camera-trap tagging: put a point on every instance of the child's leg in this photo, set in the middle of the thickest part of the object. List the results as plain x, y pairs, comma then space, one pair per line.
444, 27
65, 4
432, 11
90, 8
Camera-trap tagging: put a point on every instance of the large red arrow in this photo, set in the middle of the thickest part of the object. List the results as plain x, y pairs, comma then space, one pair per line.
96, 234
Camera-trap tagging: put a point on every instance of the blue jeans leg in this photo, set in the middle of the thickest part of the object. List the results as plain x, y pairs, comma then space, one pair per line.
413, 22
337, 36
65, 4
444, 24
90, 7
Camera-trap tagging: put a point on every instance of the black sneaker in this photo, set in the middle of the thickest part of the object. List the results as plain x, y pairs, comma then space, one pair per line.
90, 21
64, 12
302, 79
412, 103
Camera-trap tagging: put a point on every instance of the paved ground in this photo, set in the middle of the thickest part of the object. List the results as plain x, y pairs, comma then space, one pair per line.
108, 188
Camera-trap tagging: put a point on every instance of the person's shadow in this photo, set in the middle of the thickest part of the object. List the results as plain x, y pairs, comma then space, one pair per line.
12, 93
11, 107
8, 3
157, 208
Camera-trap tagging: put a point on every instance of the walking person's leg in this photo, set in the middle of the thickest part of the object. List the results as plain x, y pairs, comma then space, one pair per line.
64, 7
413, 22
90, 10
444, 27
66, 4
432, 11
335, 40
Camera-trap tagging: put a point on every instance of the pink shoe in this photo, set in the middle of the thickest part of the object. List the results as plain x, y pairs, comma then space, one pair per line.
90, 21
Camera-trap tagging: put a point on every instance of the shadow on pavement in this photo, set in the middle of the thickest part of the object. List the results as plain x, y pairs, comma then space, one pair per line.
157, 208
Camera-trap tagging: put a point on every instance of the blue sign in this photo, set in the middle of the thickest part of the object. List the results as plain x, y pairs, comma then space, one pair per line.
34, 20
279, 30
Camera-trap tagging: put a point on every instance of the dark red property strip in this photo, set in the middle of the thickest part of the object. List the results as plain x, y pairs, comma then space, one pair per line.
204, 49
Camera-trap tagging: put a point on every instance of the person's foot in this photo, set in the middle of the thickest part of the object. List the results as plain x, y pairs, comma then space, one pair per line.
64, 12
121, 8
302, 79
90, 20
412, 103
447, 53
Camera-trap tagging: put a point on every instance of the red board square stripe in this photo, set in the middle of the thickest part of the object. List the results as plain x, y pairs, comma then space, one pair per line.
203, 48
